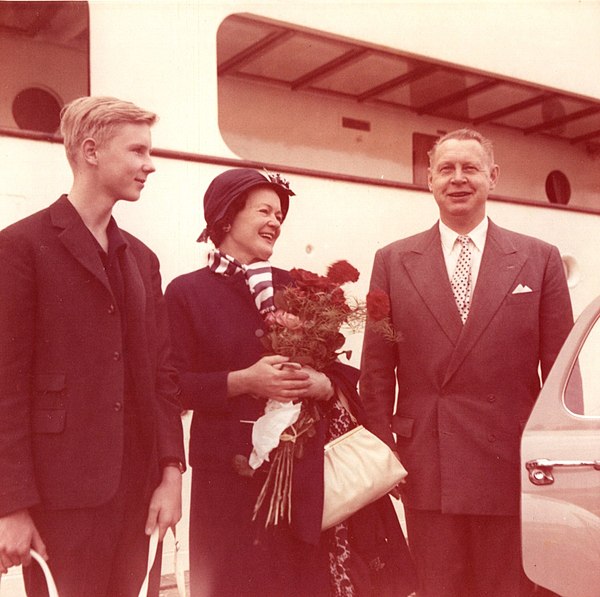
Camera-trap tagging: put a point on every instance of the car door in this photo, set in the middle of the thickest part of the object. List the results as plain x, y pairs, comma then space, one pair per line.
560, 469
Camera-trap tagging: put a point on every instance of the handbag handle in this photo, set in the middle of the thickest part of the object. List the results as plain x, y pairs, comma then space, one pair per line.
52, 591
152, 549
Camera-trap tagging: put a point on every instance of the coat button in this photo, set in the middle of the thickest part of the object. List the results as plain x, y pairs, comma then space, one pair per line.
491, 398
491, 437
116, 355
117, 406
111, 310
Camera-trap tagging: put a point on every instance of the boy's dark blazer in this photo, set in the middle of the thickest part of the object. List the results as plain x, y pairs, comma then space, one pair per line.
62, 368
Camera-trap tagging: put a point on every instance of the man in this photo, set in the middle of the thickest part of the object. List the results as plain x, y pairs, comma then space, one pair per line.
474, 324
91, 448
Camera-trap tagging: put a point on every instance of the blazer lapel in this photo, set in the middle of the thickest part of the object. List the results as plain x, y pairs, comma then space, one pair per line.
137, 338
500, 265
135, 293
77, 239
427, 270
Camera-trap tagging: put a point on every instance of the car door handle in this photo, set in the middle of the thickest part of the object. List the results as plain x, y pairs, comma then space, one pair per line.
540, 470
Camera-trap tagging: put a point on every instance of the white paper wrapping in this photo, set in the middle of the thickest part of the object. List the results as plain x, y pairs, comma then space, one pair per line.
268, 428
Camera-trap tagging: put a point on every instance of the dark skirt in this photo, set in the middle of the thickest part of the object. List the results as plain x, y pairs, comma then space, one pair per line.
230, 556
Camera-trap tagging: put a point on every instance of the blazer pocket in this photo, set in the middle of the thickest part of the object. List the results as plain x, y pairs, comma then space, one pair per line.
48, 420
49, 382
402, 426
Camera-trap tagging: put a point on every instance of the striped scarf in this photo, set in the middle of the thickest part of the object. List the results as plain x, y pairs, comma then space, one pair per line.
259, 277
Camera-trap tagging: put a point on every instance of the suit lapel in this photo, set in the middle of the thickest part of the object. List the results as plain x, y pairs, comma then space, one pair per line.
77, 239
427, 270
500, 265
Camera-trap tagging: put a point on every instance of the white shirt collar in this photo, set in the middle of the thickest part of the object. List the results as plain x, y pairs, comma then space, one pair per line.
477, 235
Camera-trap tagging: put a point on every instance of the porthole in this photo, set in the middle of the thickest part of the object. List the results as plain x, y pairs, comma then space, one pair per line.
558, 188
45, 62
35, 109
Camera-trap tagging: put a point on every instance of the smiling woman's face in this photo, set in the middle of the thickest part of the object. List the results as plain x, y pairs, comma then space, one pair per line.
255, 228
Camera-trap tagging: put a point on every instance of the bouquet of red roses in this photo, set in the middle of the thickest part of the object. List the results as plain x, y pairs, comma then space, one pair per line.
307, 327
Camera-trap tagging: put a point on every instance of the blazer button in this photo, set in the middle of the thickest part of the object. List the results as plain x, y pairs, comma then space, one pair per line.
111, 310
116, 355
491, 398
117, 406
491, 437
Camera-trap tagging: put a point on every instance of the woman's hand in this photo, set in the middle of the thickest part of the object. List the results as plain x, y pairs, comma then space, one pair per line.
320, 387
271, 378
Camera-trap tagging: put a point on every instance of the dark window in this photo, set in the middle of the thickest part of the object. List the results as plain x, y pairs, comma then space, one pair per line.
558, 188
421, 146
45, 62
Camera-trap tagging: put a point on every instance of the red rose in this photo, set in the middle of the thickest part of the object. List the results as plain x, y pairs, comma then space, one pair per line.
310, 280
378, 304
341, 272
338, 300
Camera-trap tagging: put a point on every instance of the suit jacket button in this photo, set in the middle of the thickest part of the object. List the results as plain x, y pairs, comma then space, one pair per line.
111, 310
491, 398
116, 355
491, 437
117, 406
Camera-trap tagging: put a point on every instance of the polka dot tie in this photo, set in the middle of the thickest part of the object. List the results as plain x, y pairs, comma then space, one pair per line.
461, 279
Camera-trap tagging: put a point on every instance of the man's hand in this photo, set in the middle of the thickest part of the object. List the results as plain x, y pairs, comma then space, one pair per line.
165, 505
18, 535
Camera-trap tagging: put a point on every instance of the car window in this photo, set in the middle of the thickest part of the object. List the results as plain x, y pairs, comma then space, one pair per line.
582, 393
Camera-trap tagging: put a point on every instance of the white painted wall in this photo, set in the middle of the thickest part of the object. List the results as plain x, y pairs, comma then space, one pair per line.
549, 42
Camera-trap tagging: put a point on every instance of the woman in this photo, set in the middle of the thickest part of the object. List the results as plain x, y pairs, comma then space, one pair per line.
217, 318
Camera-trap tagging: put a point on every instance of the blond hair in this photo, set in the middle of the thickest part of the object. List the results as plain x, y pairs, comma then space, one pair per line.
96, 118
465, 135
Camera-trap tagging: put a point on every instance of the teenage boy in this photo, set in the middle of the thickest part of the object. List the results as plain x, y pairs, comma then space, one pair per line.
91, 446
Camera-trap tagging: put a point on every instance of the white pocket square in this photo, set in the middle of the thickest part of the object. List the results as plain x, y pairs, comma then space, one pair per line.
520, 289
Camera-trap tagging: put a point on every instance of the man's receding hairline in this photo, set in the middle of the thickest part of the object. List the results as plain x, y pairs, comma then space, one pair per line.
486, 156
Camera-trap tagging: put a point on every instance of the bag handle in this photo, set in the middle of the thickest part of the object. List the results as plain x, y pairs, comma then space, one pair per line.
52, 591
152, 549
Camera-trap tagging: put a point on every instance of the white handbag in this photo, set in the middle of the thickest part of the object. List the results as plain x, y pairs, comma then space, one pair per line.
359, 469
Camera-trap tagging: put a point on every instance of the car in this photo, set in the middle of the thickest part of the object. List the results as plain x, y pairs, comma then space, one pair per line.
560, 469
